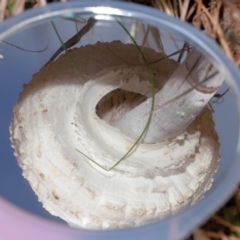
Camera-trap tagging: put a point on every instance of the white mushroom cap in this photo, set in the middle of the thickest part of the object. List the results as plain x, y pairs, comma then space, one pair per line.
56, 114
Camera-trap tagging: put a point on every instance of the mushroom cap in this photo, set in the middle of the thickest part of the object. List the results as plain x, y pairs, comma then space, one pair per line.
56, 115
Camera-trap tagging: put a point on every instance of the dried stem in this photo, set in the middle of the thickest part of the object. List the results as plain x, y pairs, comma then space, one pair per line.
220, 33
157, 39
191, 11
3, 5
184, 9
75, 39
18, 7
226, 223
165, 6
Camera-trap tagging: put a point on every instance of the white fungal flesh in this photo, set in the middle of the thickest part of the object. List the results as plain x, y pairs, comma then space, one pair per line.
58, 112
195, 71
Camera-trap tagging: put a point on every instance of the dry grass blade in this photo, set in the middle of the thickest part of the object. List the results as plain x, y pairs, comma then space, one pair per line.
180, 5
18, 7
74, 40
196, 19
157, 39
219, 33
3, 5
203, 17
173, 54
234, 7
238, 62
225, 223
215, 8
208, 27
37, 3
166, 6
191, 11
199, 234
144, 41
41, 2
216, 235
184, 10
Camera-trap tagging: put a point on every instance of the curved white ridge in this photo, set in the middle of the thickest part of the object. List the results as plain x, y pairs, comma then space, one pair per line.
56, 114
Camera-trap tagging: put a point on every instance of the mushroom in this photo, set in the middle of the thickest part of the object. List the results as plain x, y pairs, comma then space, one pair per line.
68, 130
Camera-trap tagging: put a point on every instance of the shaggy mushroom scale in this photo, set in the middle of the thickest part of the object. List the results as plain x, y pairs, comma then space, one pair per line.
60, 113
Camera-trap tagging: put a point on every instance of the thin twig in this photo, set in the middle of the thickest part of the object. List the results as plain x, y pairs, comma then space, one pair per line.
75, 39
